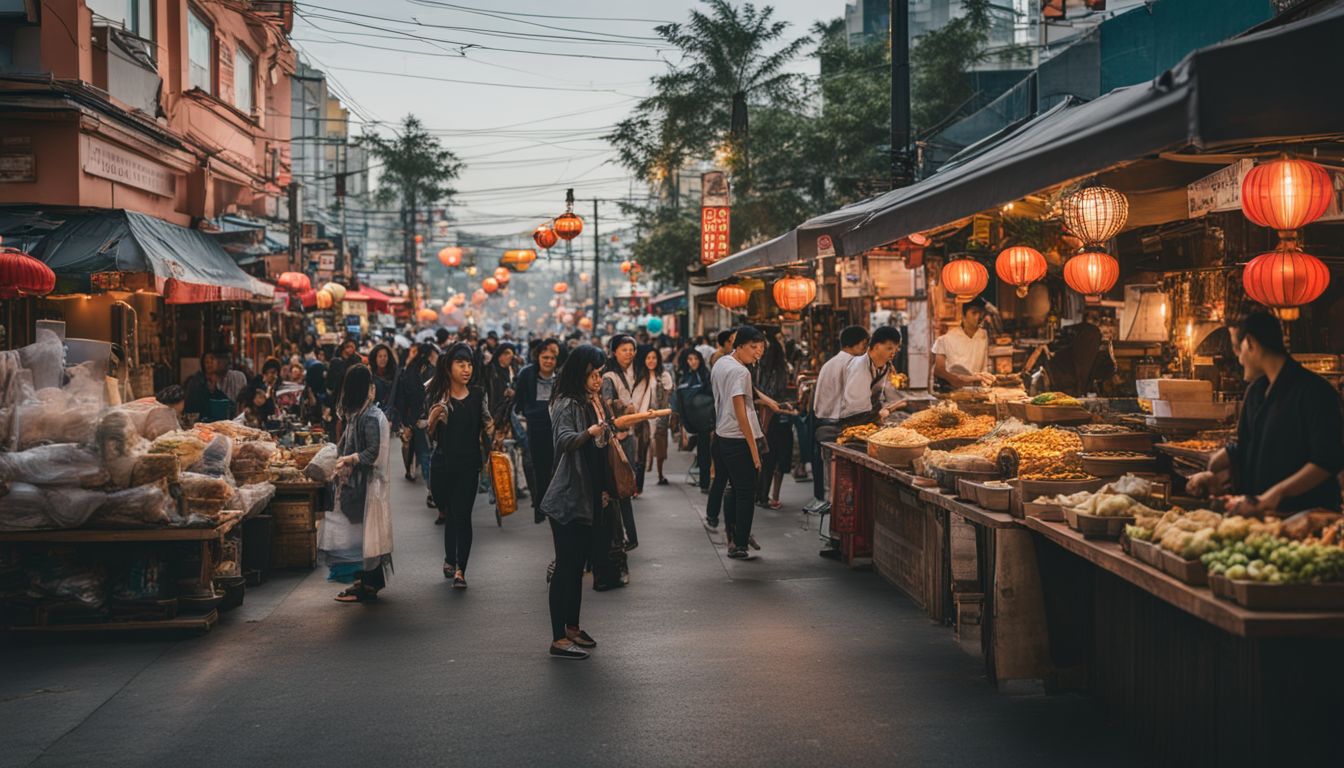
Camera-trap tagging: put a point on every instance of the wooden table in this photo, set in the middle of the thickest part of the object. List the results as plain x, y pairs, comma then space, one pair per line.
1195, 679
208, 539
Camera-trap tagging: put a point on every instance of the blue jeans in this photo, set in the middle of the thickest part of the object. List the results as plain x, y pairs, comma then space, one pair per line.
420, 445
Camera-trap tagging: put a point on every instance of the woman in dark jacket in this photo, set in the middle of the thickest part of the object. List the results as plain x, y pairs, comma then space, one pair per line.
689, 402
462, 430
408, 410
383, 365
535, 384
499, 385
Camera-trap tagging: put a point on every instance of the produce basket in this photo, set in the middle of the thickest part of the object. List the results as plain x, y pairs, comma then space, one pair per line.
1095, 526
1031, 489
994, 498
951, 476
896, 456
1262, 596
1146, 552
1192, 572
1056, 414
1221, 587
1050, 513
1118, 441
1115, 466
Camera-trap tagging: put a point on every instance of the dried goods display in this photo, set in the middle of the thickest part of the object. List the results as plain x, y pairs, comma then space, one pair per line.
1048, 454
945, 421
856, 432
1201, 446
898, 437
1056, 400
1104, 429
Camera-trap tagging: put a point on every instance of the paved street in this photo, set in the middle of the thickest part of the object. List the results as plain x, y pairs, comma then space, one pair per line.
786, 660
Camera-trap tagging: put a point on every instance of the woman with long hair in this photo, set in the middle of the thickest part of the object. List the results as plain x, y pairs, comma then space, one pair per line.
772, 379
359, 529
656, 395
693, 403
618, 392
408, 409
383, 365
536, 384
461, 430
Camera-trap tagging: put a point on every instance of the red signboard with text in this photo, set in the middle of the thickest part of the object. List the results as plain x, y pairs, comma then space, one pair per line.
713, 233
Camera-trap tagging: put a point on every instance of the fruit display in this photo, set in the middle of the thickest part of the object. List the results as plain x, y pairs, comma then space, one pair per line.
945, 421
856, 432
1333, 535
1056, 400
898, 437
1276, 560
1048, 454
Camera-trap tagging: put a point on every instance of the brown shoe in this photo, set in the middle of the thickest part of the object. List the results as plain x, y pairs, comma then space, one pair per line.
579, 637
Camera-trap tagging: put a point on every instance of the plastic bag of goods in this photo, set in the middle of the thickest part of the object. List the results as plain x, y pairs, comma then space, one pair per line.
185, 445
251, 499
85, 584
215, 460
250, 460
45, 358
237, 431
322, 468
28, 507
205, 495
142, 506
302, 454
150, 417
57, 464
501, 474
153, 467
53, 416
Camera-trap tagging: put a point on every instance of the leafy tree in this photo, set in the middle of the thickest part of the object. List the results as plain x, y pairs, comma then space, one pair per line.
939, 89
669, 240
849, 138
417, 172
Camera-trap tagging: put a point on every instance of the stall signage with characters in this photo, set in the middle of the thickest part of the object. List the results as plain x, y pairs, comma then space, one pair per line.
1219, 191
714, 216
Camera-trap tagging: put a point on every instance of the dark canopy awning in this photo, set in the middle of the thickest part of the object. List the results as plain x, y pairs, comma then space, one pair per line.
188, 266
1264, 87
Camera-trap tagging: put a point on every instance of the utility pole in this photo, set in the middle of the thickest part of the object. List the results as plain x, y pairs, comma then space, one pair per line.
408, 246
900, 93
597, 273
295, 236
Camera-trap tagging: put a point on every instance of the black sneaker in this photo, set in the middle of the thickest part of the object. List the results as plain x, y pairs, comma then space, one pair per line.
569, 651
712, 526
738, 553
429, 501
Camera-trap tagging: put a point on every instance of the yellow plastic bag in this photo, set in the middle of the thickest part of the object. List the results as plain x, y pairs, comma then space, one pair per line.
501, 474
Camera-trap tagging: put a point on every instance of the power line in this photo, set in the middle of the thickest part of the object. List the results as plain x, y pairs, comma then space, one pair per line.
511, 35
470, 9
477, 82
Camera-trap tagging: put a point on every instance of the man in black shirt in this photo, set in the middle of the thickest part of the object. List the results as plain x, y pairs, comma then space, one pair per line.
1289, 447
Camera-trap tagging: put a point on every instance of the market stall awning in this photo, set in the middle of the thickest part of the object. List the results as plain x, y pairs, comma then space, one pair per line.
188, 266
771, 253
1265, 87
376, 300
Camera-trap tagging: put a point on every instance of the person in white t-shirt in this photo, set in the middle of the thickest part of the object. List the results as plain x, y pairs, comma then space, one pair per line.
961, 356
826, 400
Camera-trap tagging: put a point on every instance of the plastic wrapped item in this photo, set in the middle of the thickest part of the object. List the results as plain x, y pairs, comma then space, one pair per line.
142, 506
152, 467
501, 475
142, 579
45, 358
322, 468
237, 431
185, 445
215, 460
199, 486
85, 584
149, 417
53, 416
29, 507
116, 433
251, 499
58, 464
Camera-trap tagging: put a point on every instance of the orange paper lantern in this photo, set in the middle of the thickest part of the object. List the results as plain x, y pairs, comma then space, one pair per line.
965, 278
586, 323
1020, 266
479, 297
567, 225
625, 267
561, 287
1284, 280
518, 259
490, 285
545, 237
23, 275
294, 282
792, 293
1091, 273
419, 239
1286, 194
502, 275
732, 296
427, 315
450, 256
324, 299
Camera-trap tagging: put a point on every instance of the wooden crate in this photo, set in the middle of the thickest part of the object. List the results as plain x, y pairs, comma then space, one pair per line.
292, 516
294, 549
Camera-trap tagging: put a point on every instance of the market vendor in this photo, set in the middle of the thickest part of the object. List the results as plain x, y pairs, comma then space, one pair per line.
961, 356
826, 403
861, 400
207, 396
1289, 447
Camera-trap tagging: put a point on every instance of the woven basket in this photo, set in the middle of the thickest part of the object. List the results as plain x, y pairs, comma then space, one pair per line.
896, 456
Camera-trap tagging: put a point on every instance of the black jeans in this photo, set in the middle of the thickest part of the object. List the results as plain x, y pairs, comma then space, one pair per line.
572, 542
375, 579
454, 489
738, 470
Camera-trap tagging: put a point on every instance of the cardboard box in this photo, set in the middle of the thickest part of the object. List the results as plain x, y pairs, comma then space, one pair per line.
1184, 390
1186, 409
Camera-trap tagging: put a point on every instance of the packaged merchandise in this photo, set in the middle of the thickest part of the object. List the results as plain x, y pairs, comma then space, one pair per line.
56, 464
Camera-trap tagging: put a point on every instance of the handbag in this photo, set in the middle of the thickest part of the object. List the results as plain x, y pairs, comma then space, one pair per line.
501, 477
622, 474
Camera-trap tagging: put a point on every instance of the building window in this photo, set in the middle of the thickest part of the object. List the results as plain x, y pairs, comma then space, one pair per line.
244, 76
134, 16
200, 52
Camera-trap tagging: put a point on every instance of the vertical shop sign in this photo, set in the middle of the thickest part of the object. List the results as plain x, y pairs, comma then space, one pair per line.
714, 217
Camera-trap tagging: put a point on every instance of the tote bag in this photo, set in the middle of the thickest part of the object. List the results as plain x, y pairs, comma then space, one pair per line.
622, 474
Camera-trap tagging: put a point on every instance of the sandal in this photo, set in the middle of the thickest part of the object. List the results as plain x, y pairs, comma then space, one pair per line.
449, 570
774, 504
358, 594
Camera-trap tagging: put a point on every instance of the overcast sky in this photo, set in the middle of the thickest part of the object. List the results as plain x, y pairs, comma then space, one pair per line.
522, 145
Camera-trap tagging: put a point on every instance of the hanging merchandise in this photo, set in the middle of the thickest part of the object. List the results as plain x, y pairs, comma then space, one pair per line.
964, 278
1020, 266
1091, 273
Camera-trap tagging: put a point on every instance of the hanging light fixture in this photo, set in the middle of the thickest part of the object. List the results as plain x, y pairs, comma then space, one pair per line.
1020, 266
1091, 273
23, 275
450, 256
1284, 280
1095, 213
567, 226
490, 285
545, 237
964, 278
626, 266
1286, 194
793, 292
561, 287
732, 296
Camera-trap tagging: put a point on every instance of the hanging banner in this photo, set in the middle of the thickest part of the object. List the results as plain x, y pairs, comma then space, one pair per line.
1219, 191
713, 233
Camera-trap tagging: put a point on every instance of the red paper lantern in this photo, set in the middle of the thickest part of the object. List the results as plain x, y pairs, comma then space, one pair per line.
450, 256
625, 267
490, 285
1284, 280
561, 287
23, 275
567, 225
586, 323
1020, 266
1091, 273
294, 282
732, 296
545, 237
792, 293
965, 278
1286, 194
502, 275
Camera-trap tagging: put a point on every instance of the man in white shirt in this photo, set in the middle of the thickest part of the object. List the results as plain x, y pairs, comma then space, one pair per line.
826, 399
961, 356
737, 460
705, 349
861, 402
